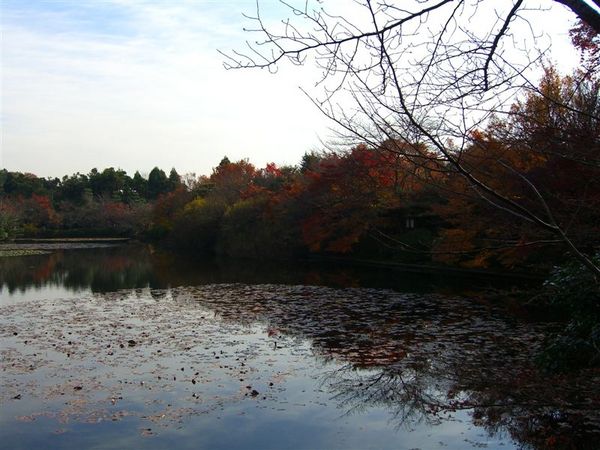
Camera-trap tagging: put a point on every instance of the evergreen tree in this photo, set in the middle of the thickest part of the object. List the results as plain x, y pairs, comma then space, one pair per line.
158, 183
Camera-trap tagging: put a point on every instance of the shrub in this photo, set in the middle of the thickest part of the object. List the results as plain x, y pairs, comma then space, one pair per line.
196, 228
572, 292
254, 228
9, 224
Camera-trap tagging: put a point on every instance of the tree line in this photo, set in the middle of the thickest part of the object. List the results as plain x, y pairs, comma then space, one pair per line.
392, 201
107, 202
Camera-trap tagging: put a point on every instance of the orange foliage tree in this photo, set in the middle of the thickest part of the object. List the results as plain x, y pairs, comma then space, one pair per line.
545, 158
231, 180
38, 213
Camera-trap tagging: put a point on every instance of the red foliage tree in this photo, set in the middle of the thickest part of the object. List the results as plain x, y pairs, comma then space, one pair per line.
346, 193
231, 180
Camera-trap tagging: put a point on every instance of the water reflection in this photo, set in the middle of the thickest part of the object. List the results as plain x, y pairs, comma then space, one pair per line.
404, 369
64, 271
97, 269
420, 356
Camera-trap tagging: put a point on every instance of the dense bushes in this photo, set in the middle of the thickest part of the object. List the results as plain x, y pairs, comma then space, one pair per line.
196, 228
573, 295
9, 223
250, 229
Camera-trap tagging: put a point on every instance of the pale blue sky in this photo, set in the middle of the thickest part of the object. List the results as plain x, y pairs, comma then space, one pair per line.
134, 84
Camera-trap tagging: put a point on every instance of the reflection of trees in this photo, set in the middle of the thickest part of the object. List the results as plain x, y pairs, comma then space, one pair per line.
415, 355
420, 356
134, 266
538, 412
172, 270
408, 396
542, 411
98, 269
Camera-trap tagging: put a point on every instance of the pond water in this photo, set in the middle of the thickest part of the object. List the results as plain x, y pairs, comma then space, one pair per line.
124, 347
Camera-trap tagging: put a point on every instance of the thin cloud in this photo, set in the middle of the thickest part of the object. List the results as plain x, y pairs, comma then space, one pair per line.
134, 84
153, 92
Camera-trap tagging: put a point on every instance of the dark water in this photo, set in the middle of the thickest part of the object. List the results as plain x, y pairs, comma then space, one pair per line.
70, 272
128, 348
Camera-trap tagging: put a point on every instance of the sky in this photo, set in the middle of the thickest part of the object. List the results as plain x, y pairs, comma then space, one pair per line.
134, 84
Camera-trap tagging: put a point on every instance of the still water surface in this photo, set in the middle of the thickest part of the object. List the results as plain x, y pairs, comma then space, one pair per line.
122, 347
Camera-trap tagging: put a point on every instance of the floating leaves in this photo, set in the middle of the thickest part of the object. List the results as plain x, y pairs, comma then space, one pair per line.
8, 252
199, 351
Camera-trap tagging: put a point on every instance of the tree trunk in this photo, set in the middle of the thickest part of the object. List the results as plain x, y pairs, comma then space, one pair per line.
584, 11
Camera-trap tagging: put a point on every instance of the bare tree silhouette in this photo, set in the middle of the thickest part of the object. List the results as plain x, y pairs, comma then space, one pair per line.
425, 72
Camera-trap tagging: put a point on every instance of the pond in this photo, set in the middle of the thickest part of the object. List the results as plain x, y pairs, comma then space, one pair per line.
117, 347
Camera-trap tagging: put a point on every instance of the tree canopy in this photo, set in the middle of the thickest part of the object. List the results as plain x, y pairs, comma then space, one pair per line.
435, 73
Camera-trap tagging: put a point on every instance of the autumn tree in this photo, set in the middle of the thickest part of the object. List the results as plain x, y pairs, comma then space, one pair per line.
231, 180
587, 39
264, 221
550, 141
38, 214
166, 208
344, 195
421, 73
